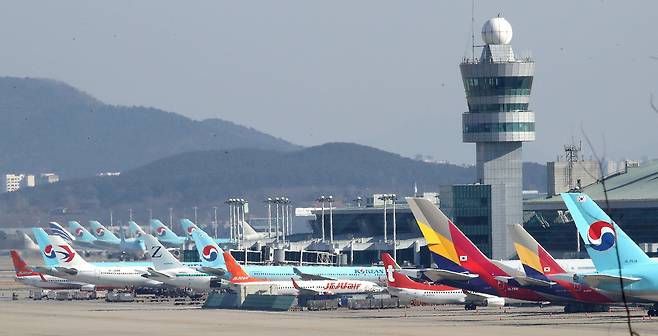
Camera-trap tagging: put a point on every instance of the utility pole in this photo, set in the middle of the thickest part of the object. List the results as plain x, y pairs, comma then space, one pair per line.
330, 199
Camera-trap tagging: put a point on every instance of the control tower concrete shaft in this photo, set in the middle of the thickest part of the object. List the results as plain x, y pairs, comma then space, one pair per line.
498, 121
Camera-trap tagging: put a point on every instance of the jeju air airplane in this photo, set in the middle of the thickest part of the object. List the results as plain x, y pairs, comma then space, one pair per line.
460, 263
30, 278
303, 287
553, 280
402, 286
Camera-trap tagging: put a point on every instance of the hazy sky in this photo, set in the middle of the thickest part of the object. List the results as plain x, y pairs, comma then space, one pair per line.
380, 73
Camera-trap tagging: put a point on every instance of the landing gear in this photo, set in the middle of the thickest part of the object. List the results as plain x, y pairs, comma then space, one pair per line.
470, 306
653, 311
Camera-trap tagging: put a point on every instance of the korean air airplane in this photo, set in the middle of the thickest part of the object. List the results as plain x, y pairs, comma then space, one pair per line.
212, 262
552, 279
28, 277
620, 263
62, 261
81, 241
402, 286
460, 263
105, 237
165, 235
189, 227
167, 269
135, 230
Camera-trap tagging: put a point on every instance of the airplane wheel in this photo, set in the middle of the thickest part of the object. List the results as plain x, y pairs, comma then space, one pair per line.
652, 312
470, 306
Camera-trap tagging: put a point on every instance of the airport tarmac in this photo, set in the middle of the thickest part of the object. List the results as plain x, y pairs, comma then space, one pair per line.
72, 318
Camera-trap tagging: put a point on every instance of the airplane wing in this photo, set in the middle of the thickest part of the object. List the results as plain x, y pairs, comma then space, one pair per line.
305, 276
153, 274
437, 275
67, 270
594, 280
476, 297
525, 281
212, 270
304, 291
43, 270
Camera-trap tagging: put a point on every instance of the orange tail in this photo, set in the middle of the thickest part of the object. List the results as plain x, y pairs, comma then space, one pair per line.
20, 265
238, 274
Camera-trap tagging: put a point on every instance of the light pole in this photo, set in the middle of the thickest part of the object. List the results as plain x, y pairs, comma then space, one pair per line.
322, 199
283, 220
393, 197
385, 199
130, 214
269, 217
230, 218
330, 200
288, 216
195, 216
216, 224
276, 205
150, 214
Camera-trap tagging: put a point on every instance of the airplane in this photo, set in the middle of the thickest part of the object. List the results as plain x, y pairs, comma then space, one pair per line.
461, 264
169, 270
31, 278
303, 287
621, 265
80, 238
135, 230
402, 286
61, 260
540, 265
212, 262
165, 235
107, 238
189, 227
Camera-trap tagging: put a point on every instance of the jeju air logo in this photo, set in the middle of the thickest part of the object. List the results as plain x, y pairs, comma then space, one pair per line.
67, 254
161, 230
100, 232
79, 232
601, 235
190, 230
210, 253
49, 252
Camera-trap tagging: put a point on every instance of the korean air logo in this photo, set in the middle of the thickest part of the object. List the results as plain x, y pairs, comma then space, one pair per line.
49, 252
190, 230
79, 231
389, 273
601, 235
160, 231
100, 232
581, 199
209, 253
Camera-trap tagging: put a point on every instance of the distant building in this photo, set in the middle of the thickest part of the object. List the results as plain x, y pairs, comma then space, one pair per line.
571, 172
13, 182
47, 178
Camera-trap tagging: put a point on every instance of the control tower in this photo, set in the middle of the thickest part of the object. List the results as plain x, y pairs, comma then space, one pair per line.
498, 121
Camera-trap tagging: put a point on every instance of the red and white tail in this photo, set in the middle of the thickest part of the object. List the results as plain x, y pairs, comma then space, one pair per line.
393, 277
21, 266
238, 274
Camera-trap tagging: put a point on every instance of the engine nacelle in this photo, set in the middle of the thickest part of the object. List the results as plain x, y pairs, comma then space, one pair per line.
493, 302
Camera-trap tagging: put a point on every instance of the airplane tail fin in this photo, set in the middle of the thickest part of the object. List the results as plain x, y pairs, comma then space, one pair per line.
102, 233
451, 249
393, 277
188, 226
28, 243
80, 232
20, 266
58, 230
238, 274
47, 251
536, 261
602, 236
210, 253
162, 259
161, 231
135, 229
249, 232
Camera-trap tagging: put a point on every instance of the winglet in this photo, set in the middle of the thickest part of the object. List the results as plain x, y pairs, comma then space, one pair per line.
294, 284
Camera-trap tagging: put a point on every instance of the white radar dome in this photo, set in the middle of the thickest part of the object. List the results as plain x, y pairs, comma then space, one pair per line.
497, 31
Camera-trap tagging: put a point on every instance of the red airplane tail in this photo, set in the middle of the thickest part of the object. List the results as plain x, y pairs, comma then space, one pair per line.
238, 274
20, 265
399, 280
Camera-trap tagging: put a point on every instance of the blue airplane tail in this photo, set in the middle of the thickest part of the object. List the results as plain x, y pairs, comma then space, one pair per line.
162, 232
188, 226
210, 253
81, 234
47, 251
58, 230
602, 236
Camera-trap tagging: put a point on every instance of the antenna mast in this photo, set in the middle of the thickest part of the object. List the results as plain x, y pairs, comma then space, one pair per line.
473, 30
